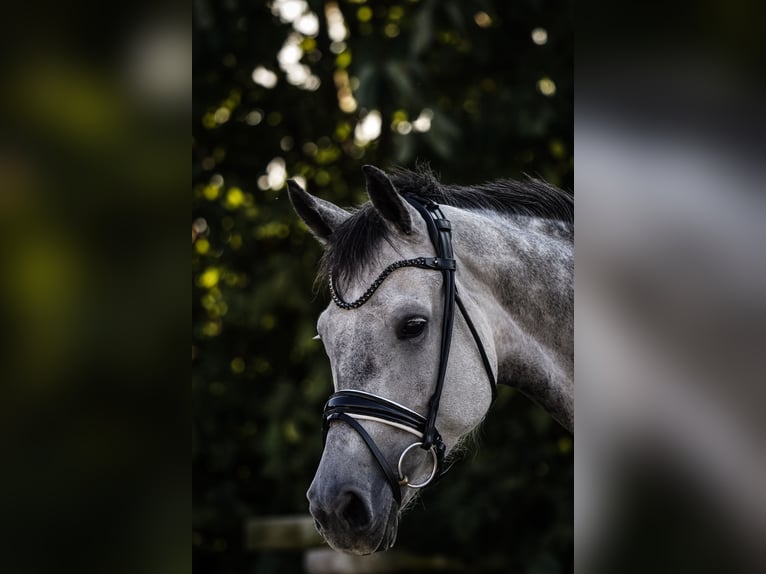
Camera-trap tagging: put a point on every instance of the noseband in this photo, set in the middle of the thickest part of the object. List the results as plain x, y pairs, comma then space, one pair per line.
350, 406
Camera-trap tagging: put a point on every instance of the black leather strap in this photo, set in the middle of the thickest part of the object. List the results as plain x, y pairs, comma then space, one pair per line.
389, 472
482, 351
437, 263
365, 404
440, 232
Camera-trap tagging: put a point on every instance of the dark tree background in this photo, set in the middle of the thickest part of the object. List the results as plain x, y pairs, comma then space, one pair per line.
314, 90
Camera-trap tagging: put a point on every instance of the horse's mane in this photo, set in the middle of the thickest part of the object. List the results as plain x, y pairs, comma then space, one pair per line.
353, 243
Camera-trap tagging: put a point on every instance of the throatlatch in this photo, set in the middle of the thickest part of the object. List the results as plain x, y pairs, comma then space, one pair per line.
350, 406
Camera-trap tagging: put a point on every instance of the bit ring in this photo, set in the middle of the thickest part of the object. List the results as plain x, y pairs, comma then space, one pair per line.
404, 480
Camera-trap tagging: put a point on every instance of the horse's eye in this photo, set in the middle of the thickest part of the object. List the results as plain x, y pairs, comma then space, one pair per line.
412, 328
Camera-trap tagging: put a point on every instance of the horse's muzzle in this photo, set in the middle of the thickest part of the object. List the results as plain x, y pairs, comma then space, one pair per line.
346, 519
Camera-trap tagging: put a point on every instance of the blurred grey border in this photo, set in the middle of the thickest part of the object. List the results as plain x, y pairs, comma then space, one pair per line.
670, 471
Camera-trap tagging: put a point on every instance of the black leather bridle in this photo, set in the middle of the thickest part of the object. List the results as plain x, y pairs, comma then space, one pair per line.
350, 406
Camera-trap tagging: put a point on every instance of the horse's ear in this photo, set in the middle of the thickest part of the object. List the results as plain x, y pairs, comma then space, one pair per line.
387, 200
321, 217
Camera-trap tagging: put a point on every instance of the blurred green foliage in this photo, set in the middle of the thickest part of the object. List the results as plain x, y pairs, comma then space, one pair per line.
480, 90
92, 171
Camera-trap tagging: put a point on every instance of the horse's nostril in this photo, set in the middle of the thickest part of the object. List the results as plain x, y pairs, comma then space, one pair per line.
319, 514
353, 510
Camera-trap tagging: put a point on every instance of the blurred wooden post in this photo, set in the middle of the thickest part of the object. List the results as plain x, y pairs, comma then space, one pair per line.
291, 532
297, 533
328, 561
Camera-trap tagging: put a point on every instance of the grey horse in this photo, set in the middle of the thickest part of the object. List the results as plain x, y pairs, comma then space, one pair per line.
514, 272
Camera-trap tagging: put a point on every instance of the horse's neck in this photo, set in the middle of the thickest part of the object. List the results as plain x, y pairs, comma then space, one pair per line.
520, 271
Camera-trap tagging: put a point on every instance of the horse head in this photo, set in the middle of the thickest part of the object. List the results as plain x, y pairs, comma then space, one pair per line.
409, 382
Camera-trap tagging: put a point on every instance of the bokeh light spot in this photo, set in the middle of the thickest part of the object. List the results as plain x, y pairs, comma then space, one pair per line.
235, 242
546, 86
423, 121
289, 10
396, 12
368, 128
482, 19
308, 24
539, 36
291, 433
202, 246
222, 115
391, 30
336, 26
237, 365
343, 60
211, 192
211, 328
557, 148
403, 128
254, 118
274, 119
234, 198
209, 278
276, 173
364, 14
208, 121
264, 77
322, 177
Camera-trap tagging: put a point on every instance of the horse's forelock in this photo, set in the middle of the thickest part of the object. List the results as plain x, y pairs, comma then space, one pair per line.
353, 245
